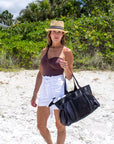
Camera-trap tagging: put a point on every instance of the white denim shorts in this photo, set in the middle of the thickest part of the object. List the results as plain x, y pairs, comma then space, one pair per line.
51, 87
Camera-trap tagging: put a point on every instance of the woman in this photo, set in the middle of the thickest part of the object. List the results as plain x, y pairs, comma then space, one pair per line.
55, 59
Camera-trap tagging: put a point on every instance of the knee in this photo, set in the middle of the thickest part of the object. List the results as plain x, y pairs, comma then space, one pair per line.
41, 128
60, 127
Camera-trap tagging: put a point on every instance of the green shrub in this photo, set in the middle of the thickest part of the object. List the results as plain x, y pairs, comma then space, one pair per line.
90, 38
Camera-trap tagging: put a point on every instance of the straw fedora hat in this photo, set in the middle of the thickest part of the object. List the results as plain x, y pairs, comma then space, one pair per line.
56, 26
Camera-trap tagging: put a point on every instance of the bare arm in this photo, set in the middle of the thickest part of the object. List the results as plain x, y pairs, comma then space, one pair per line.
67, 64
37, 84
68, 69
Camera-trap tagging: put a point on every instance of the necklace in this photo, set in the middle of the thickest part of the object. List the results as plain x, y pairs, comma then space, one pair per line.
54, 47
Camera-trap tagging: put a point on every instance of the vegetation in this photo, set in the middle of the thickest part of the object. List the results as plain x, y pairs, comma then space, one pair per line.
41, 10
6, 18
90, 36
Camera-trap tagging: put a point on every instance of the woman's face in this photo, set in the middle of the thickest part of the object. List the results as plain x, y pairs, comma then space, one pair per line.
56, 36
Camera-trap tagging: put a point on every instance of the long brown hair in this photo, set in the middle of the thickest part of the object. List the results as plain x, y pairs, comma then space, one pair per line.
49, 41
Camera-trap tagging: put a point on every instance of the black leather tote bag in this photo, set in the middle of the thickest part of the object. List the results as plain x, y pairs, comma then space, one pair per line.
76, 104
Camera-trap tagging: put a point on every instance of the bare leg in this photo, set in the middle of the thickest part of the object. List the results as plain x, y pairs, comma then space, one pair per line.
43, 113
61, 131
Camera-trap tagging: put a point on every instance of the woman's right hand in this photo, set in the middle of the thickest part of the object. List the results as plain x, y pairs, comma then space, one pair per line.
33, 102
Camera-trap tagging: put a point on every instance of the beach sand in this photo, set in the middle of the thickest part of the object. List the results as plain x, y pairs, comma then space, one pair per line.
18, 118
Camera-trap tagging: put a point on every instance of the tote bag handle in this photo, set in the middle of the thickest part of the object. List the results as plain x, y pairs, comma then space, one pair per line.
65, 89
75, 83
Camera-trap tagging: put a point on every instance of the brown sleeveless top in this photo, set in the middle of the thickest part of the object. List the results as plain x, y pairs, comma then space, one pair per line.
51, 67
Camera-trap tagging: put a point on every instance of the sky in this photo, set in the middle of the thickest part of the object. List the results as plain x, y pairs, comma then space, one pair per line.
14, 6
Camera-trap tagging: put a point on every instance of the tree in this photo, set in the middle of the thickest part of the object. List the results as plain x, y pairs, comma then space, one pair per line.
29, 14
6, 18
35, 11
0, 18
41, 10
96, 7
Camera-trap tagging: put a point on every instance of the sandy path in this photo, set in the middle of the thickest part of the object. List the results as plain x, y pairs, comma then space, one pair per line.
18, 118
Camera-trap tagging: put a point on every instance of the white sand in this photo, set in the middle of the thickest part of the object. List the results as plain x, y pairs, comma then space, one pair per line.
18, 117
